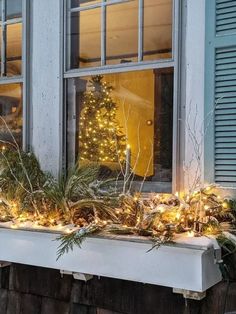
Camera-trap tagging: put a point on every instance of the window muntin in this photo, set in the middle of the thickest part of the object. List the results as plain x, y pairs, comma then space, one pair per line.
107, 114
130, 31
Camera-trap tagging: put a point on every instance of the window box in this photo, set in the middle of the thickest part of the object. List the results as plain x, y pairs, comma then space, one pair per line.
189, 264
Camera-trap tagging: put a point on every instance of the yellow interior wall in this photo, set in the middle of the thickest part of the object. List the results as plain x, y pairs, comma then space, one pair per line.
134, 94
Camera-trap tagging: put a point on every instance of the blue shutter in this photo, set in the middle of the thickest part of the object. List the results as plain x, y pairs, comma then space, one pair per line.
220, 92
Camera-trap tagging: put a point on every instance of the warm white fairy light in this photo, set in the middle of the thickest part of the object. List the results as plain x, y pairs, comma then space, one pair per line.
190, 234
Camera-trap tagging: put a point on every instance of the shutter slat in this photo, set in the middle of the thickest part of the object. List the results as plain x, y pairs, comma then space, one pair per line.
223, 111
225, 167
221, 54
225, 117
225, 139
226, 25
222, 146
223, 179
224, 103
221, 12
225, 94
227, 60
225, 5
225, 128
227, 134
226, 162
224, 157
224, 1
225, 78
230, 66
225, 14
227, 89
225, 72
228, 173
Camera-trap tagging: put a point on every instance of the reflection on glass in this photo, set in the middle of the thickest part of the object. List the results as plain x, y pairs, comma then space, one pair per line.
11, 112
122, 32
14, 8
85, 38
157, 29
83, 3
14, 49
107, 114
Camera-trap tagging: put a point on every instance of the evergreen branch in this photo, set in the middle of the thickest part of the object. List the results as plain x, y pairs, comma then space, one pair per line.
68, 241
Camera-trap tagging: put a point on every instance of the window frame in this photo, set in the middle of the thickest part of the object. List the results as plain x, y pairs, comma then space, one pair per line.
173, 62
23, 77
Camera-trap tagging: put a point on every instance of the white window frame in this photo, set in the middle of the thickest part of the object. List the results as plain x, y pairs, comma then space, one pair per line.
173, 62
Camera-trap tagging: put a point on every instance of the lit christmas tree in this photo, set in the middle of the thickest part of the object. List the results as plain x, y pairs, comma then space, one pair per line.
100, 136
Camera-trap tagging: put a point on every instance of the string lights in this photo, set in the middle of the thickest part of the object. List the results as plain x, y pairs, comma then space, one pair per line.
100, 135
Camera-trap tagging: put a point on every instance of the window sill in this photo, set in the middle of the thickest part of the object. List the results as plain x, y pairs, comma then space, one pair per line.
190, 263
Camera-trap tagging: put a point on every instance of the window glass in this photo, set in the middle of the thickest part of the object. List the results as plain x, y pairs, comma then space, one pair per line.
14, 8
85, 38
122, 35
157, 31
125, 30
11, 113
123, 118
14, 49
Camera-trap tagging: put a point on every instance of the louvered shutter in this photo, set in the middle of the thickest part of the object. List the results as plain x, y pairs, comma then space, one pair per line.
220, 91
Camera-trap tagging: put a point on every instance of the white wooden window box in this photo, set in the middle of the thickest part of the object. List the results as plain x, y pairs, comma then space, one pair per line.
189, 264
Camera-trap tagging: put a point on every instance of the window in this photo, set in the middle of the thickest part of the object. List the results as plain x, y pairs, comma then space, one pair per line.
11, 79
118, 31
120, 77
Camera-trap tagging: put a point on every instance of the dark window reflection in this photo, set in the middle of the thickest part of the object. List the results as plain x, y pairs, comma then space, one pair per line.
11, 113
14, 9
81, 3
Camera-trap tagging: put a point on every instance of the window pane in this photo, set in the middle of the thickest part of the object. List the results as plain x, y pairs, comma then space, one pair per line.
14, 49
157, 29
107, 113
14, 8
11, 112
122, 32
83, 3
85, 39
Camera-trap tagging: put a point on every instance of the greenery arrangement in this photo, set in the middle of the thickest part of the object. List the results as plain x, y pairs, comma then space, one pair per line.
88, 204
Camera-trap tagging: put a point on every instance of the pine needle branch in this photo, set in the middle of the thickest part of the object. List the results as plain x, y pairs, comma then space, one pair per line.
68, 241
